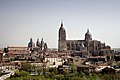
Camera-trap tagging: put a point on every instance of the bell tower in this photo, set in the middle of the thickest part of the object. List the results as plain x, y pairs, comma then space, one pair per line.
62, 39
88, 39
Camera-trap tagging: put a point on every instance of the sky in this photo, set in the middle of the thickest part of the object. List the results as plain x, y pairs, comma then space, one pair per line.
21, 20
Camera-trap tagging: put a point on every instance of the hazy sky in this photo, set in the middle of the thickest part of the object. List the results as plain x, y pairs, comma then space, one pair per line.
21, 20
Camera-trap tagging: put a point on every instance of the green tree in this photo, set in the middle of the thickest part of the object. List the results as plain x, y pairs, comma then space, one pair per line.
20, 73
73, 68
26, 66
53, 70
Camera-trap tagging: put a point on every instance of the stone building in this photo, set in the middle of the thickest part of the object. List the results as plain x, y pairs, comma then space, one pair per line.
93, 47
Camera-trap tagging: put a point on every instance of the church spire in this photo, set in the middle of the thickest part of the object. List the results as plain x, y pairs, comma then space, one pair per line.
88, 30
61, 27
38, 43
61, 23
30, 39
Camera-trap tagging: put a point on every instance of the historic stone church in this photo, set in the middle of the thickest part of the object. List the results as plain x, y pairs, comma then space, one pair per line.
92, 46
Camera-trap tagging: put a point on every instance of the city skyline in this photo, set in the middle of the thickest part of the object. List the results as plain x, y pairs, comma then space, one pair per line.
21, 20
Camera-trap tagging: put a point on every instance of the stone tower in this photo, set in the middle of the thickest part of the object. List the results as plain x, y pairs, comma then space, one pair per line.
88, 39
62, 39
88, 36
38, 43
31, 45
42, 44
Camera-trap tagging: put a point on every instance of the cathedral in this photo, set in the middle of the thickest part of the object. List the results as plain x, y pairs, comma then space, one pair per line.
94, 47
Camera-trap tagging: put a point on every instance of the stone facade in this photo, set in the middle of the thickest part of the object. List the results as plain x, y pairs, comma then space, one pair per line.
94, 47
